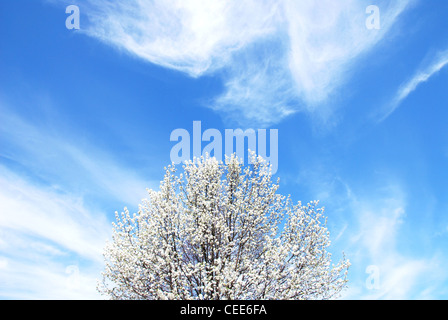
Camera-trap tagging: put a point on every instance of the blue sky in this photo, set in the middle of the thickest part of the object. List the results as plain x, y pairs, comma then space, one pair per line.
86, 117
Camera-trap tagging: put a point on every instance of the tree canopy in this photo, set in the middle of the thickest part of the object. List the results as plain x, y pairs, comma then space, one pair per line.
220, 230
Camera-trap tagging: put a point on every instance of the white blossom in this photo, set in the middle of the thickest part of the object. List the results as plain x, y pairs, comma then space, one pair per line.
221, 231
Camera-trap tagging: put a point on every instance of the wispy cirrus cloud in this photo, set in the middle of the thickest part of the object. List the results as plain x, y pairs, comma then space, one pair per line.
370, 224
314, 46
326, 40
61, 219
258, 87
388, 272
67, 160
42, 233
436, 64
190, 36
48, 220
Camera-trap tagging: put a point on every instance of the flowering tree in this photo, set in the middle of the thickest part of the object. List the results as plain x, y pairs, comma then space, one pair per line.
220, 231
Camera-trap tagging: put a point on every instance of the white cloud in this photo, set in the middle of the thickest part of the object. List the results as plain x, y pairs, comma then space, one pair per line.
422, 75
191, 36
314, 46
378, 242
44, 278
371, 225
379, 222
60, 218
41, 230
325, 37
399, 277
3, 263
64, 159
258, 88
47, 221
